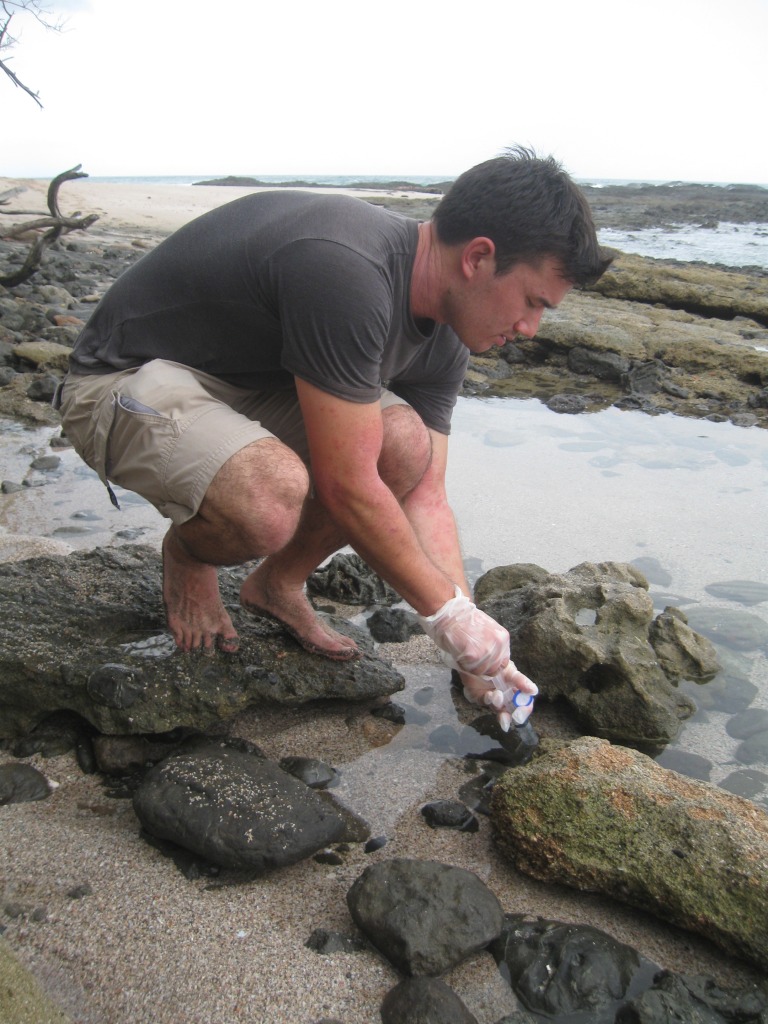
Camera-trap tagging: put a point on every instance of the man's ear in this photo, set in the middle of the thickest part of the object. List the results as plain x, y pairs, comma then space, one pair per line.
477, 254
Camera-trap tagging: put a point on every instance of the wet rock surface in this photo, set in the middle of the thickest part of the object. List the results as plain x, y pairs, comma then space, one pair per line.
589, 637
608, 819
86, 633
653, 335
558, 969
347, 579
574, 974
558, 972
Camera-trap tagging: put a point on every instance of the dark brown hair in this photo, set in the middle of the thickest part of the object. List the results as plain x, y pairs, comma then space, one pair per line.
530, 208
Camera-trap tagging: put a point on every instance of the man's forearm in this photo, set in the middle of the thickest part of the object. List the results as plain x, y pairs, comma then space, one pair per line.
378, 528
434, 524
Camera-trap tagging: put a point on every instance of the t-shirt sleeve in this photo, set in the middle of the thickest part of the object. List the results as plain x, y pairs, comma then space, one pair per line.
334, 307
432, 383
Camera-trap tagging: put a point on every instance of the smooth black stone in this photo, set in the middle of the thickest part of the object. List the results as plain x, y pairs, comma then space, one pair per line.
449, 814
21, 783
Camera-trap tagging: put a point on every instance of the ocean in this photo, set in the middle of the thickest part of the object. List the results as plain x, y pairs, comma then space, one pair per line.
730, 245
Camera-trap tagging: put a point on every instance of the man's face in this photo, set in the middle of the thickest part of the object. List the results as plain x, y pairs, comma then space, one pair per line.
486, 309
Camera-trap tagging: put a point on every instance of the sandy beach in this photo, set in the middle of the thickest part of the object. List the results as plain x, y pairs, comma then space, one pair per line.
142, 210
147, 945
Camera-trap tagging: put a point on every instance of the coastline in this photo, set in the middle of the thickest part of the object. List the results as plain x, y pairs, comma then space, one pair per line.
149, 945
147, 210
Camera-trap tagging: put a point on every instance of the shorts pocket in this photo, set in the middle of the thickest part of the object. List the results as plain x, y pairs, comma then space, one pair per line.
136, 444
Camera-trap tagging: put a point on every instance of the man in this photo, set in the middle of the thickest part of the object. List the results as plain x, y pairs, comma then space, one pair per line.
277, 378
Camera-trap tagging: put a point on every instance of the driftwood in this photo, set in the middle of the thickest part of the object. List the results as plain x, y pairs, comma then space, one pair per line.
52, 226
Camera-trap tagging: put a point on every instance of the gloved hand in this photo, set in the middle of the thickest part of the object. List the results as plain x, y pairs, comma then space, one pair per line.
509, 693
469, 640
478, 647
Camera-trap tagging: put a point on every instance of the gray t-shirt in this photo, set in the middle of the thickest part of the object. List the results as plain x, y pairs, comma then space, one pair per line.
278, 285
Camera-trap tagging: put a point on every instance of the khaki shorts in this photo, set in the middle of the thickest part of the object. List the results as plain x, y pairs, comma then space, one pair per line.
164, 430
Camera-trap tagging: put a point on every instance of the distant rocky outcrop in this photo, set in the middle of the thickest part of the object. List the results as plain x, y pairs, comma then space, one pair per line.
653, 335
644, 205
608, 819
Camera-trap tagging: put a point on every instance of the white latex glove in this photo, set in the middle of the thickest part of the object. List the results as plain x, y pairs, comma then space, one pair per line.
478, 647
509, 693
469, 640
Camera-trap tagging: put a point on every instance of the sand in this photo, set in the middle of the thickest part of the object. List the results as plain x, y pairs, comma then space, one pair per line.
139, 210
149, 946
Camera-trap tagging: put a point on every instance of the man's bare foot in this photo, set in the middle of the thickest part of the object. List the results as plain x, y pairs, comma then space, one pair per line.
196, 615
262, 595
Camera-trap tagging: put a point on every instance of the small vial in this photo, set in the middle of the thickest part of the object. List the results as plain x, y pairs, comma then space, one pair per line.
522, 704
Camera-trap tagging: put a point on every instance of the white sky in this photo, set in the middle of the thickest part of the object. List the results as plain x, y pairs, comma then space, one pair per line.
659, 90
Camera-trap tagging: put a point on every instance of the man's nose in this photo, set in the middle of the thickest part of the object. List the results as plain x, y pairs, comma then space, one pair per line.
529, 324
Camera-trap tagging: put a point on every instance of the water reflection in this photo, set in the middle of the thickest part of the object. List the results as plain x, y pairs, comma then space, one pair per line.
684, 500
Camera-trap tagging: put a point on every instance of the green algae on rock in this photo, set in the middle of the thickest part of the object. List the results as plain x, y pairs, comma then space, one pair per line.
608, 819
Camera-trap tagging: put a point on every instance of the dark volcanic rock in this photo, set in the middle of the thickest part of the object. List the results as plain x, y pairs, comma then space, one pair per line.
683, 997
348, 580
21, 783
234, 808
449, 814
559, 969
393, 625
424, 1001
85, 633
424, 917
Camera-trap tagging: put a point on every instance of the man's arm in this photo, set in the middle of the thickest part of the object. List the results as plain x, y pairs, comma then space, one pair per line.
414, 547
345, 442
432, 519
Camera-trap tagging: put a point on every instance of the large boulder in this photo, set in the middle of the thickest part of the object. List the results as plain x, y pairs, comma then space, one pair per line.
559, 969
589, 635
608, 819
570, 972
86, 633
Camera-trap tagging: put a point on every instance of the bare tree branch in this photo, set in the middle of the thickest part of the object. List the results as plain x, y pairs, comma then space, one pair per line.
41, 14
18, 82
57, 224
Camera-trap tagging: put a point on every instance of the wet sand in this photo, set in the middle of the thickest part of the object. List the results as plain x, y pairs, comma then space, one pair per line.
149, 945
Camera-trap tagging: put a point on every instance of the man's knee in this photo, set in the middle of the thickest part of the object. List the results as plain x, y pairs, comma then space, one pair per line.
260, 492
406, 450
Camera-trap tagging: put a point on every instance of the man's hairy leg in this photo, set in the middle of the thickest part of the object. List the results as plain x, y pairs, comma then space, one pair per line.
251, 508
276, 586
255, 506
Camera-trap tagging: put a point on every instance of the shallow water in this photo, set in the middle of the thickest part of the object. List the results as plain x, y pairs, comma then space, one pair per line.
685, 499
734, 245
